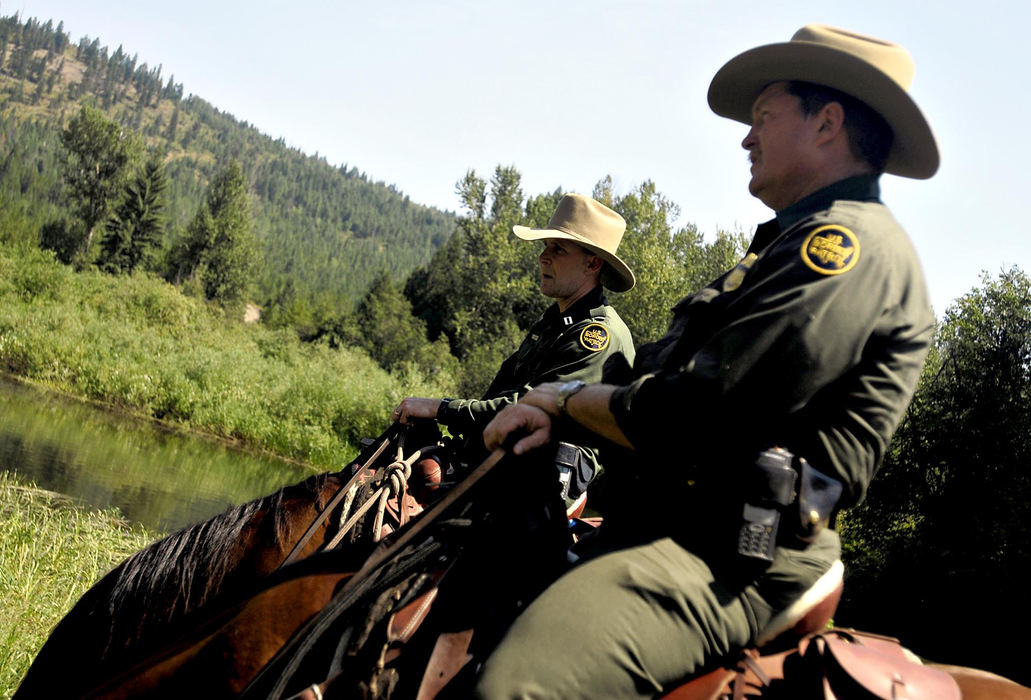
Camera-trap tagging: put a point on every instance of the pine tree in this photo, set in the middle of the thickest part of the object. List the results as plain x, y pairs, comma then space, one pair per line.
220, 250
135, 229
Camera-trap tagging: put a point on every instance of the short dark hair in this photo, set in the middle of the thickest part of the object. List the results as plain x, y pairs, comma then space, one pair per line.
869, 136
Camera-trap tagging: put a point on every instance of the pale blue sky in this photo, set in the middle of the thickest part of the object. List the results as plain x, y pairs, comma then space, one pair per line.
416, 93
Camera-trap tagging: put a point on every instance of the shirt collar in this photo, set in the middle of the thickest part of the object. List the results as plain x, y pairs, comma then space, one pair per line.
863, 188
581, 308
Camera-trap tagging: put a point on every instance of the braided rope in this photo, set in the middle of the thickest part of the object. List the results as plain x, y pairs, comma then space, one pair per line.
395, 478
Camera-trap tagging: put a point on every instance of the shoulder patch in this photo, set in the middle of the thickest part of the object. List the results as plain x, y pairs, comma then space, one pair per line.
831, 250
595, 337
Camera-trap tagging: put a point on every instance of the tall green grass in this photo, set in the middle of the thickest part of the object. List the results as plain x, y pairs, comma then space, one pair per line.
139, 344
51, 552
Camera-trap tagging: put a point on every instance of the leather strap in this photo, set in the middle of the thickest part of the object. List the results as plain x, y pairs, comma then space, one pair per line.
447, 659
882, 669
321, 518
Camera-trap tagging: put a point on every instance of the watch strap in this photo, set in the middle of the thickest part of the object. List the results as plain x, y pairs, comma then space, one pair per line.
565, 392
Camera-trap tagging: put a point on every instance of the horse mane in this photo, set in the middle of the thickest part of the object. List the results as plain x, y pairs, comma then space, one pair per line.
188, 568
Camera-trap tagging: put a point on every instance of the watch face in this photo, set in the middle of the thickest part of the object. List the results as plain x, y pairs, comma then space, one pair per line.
567, 390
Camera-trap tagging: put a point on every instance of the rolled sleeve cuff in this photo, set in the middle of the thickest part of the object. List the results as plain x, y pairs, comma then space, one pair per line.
453, 412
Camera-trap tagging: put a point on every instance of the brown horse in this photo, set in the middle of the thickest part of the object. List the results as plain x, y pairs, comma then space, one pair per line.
415, 618
301, 609
197, 573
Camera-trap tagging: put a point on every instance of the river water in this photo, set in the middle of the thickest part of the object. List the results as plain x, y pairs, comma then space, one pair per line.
155, 476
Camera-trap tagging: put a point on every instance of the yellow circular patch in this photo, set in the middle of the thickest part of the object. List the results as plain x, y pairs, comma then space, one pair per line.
595, 337
831, 250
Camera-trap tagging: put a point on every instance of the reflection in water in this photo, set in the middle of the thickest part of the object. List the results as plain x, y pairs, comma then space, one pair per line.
162, 479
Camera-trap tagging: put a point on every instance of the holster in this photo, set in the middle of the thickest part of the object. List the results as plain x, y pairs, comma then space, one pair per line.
574, 471
786, 502
817, 501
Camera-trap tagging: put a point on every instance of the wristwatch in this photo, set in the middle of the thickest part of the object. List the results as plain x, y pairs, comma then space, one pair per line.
565, 391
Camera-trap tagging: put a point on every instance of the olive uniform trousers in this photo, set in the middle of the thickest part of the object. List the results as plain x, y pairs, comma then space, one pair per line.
643, 615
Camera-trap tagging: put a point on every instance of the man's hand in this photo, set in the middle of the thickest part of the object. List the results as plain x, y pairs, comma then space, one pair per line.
519, 419
532, 414
413, 407
544, 397
588, 407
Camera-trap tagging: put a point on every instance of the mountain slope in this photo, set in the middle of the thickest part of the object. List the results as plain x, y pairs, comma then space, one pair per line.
325, 230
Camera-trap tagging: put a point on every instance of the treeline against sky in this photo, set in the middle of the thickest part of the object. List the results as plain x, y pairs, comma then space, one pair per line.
341, 258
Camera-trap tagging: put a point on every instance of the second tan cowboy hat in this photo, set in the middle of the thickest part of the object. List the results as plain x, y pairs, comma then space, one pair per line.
874, 71
593, 225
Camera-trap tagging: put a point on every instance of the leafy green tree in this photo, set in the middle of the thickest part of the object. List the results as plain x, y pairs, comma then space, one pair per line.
97, 158
16, 227
668, 262
481, 290
135, 229
430, 289
944, 526
220, 250
500, 277
385, 328
62, 236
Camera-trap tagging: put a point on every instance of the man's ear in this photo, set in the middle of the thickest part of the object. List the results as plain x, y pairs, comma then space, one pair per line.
594, 263
830, 121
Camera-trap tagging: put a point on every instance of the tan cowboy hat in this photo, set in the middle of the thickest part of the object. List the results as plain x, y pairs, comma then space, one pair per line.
874, 71
594, 226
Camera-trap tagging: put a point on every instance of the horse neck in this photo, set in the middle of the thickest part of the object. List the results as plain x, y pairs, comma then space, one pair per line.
229, 553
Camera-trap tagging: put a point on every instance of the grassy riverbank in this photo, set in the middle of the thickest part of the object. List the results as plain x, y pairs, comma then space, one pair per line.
51, 552
138, 344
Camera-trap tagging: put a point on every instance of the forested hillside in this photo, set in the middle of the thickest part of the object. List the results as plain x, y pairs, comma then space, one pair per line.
324, 231
100, 155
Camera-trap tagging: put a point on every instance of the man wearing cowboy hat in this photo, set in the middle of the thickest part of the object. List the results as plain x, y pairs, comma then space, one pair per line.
574, 338
813, 344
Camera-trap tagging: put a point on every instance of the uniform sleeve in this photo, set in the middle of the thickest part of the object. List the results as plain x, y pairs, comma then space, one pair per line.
824, 364
566, 360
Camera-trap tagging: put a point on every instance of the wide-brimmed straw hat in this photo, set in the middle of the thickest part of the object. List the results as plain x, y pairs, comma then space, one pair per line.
873, 71
593, 225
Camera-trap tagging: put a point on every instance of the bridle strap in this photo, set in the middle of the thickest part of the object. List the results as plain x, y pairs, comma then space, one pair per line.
387, 436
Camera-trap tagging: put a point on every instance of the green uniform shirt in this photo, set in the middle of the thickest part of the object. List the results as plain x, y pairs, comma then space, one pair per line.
561, 346
814, 342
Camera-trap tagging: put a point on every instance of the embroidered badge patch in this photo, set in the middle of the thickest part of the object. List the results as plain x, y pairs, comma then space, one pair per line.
595, 337
831, 250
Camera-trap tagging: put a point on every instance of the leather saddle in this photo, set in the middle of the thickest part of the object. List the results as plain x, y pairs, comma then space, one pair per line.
799, 656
